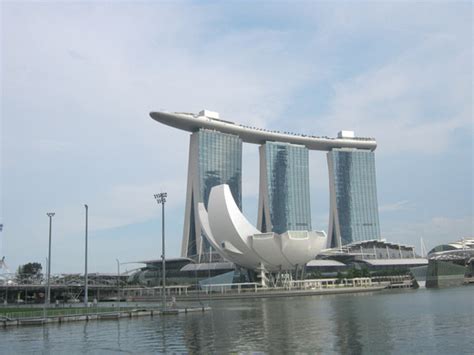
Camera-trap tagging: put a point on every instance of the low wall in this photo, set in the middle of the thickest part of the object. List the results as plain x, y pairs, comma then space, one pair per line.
99, 316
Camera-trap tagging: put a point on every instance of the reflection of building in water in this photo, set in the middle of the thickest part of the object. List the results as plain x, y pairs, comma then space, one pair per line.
353, 325
346, 325
199, 333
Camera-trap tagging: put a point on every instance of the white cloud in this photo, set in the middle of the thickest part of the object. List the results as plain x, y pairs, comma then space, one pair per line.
86, 76
78, 81
396, 206
127, 204
408, 104
51, 146
434, 231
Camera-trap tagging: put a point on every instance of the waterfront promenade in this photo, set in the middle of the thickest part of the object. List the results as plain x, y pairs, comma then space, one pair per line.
35, 316
60, 313
404, 321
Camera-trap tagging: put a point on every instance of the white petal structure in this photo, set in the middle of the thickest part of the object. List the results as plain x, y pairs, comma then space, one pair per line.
237, 240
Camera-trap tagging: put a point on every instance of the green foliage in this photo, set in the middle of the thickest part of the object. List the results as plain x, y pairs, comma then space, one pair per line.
30, 271
352, 273
391, 272
316, 274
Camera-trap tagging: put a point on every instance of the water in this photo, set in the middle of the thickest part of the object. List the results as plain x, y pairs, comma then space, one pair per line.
408, 321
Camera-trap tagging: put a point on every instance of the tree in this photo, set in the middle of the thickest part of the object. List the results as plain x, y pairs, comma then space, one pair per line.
353, 273
30, 272
365, 272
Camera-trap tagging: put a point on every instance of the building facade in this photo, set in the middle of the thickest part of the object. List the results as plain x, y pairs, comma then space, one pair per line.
215, 158
284, 198
353, 215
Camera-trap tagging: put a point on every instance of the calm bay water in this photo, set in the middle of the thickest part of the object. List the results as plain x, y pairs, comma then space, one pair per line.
413, 321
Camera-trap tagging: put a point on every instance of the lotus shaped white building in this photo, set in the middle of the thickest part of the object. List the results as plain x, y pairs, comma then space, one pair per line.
237, 240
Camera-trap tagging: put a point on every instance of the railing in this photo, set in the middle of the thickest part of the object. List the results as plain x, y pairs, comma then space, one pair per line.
328, 283
241, 287
173, 290
254, 287
310, 284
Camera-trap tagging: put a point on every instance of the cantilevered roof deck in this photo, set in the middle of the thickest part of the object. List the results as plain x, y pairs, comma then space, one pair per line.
193, 122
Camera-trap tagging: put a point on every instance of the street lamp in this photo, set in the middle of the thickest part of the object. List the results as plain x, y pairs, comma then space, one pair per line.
1, 240
118, 283
86, 283
48, 299
3, 266
161, 199
45, 292
1, 229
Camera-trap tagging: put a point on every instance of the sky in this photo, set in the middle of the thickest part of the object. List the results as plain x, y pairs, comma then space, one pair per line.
78, 80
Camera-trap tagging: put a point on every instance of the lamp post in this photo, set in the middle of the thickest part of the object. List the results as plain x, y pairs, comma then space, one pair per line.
45, 292
5, 301
1, 229
48, 298
86, 283
118, 283
161, 199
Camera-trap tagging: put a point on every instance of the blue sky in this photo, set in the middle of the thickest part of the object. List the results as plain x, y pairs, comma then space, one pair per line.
79, 79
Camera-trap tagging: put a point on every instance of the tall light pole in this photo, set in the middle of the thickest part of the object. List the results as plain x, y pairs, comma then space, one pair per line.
1, 240
118, 283
86, 283
45, 292
48, 298
5, 301
161, 199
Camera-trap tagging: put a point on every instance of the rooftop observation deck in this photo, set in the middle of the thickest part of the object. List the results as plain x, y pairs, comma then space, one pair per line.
193, 122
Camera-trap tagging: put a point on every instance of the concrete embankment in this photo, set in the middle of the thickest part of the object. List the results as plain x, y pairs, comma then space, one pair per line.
8, 322
266, 293
190, 297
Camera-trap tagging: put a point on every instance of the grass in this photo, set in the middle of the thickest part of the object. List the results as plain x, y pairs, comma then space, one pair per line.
30, 312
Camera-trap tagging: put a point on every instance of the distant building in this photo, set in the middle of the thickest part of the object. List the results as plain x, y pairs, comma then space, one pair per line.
455, 250
179, 271
284, 202
215, 158
353, 215
238, 241
450, 264
374, 255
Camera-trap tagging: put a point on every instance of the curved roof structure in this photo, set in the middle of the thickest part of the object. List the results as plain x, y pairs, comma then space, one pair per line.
465, 243
460, 250
238, 241
192, 123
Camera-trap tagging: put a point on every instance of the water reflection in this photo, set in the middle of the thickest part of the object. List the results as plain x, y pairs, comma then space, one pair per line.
346, 326
119, 335
45, 335
408, 321
85, 337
